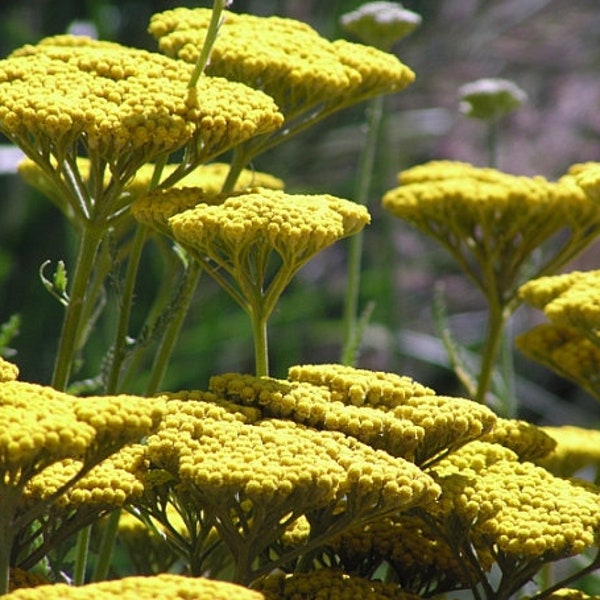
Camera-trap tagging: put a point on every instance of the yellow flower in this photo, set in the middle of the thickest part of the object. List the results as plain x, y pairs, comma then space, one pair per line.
328, 583
528, 441
123, 107
285, 58
360, 387
419, 556
587, 176
254, 242
577, 448
112, 483
516, 509
492, 222
253, 479
416, 427
295, 226
8, 371
568, 300
566, 350
159, 587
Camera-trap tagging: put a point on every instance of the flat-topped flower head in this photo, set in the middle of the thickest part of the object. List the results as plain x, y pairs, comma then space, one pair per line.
8, 371
285, 58
165, 586
40, 426
528, 441
587, 177
568, 300
328, 583
381, 24
565, 350
576, 448
121, 107
492, 222
257, 478
295, 226
419, 428
254, 242
516, 508
360, 387
110, 484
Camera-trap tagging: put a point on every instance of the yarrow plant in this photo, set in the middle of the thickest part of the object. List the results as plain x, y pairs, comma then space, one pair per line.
333, 481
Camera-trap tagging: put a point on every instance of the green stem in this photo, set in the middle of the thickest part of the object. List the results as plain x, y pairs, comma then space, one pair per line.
261, 353
106, 546
238, 162
209, 41
81, 555
365, 176
496, 321
167, 343
112, 385
259, 333
72, 323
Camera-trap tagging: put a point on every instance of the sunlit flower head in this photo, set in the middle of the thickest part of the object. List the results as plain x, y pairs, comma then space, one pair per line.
285, 58
8, 370
492, 222
165, 586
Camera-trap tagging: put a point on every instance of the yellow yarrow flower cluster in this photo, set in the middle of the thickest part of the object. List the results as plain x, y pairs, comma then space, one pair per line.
576, 448
587, 177
39, 426
122, 98
114, 482
565, 350
159, 587
568, 300
528, 441
251, 479
513, 508
328, 583
285, 58
418, 428
295, 226
422, 561
491, 222
8, 371
360, 387
267, 461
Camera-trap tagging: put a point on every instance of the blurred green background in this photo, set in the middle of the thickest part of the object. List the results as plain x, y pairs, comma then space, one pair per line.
549, 48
